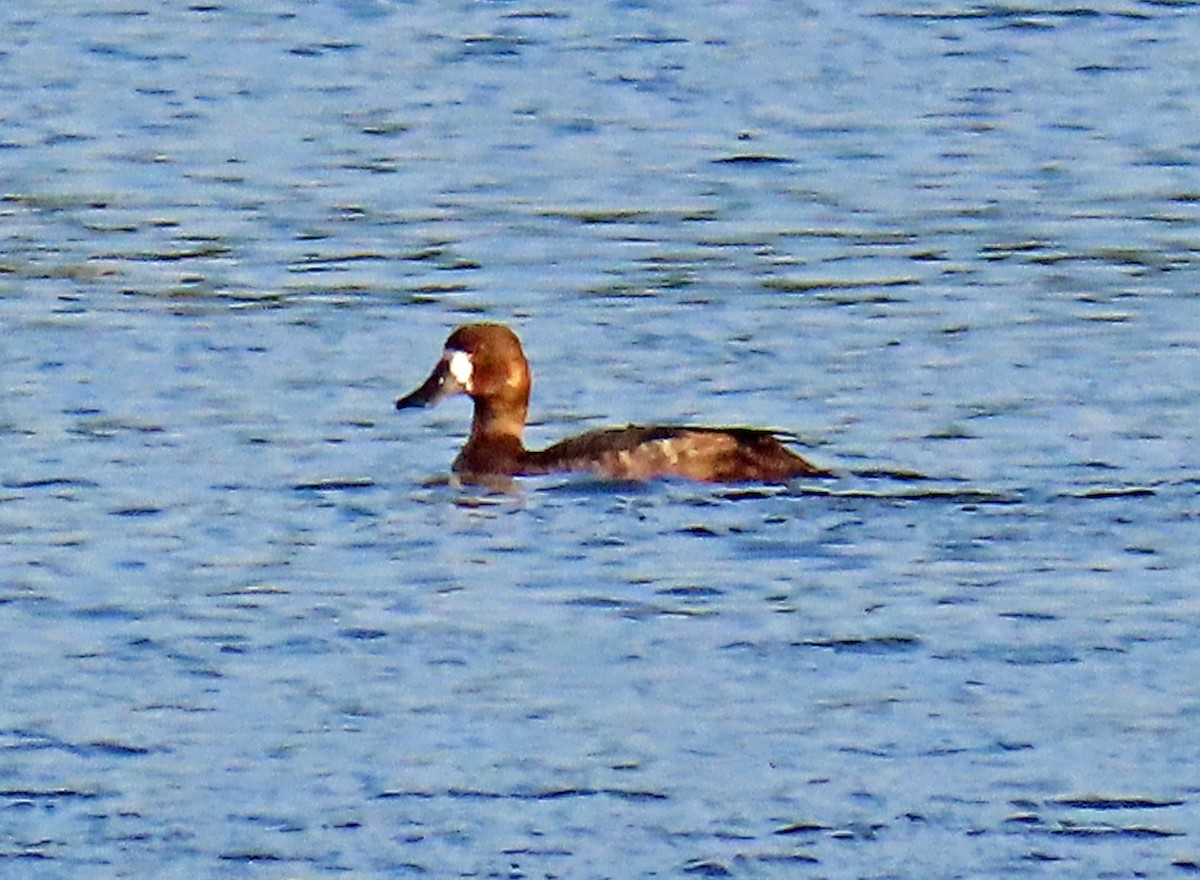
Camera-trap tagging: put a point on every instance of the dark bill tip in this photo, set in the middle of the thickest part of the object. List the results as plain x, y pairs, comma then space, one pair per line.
439, 384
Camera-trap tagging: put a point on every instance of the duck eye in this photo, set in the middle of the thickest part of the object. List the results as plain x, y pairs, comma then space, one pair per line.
460, 367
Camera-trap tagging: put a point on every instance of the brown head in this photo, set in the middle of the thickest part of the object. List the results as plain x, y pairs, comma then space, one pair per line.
485, 362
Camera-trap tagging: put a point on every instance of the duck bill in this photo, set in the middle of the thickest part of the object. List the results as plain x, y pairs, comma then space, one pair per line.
440, 384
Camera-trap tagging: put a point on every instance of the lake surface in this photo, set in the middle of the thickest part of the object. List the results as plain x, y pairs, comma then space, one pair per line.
248, 629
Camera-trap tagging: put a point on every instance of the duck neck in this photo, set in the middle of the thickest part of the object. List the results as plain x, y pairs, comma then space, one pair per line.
498, 424
495, 444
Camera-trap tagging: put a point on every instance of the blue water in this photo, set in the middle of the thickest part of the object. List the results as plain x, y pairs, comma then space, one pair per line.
247, 629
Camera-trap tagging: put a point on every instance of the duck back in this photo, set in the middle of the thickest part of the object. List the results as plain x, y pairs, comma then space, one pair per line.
711, 455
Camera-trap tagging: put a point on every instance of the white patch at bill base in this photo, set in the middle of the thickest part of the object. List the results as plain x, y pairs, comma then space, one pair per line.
460, 367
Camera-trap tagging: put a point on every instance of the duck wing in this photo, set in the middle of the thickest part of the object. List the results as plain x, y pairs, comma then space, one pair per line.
713, 455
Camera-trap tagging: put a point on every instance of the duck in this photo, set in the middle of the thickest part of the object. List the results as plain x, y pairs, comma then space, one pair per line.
485, 361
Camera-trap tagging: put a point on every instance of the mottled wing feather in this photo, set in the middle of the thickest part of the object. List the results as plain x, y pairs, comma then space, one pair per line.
697, 453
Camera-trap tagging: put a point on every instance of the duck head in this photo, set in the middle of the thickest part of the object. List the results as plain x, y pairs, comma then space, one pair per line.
486, 363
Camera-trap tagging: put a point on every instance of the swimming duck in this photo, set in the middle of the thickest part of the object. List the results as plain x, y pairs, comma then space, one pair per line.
486, 362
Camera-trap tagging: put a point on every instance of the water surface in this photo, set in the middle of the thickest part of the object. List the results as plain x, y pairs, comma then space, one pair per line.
248, 631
